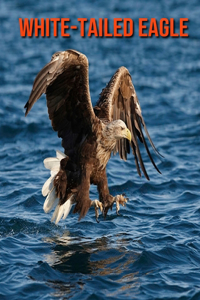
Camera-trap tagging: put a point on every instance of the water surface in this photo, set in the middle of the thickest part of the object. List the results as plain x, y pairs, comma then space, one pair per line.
150, 251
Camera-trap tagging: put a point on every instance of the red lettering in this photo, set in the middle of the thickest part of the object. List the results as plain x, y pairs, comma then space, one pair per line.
172, 29
183, 27
106, 30
47, 28
116, 27
39, 27
55, 25
164, 30
141, 27
153, 28
26, 27
100, 27
63, 27
82, 21
131, 26
93, 28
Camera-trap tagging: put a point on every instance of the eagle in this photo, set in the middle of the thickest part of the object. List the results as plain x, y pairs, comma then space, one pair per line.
89, 134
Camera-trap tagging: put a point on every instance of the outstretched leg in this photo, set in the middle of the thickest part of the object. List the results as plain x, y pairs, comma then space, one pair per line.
107, 199
83, 203
82, 199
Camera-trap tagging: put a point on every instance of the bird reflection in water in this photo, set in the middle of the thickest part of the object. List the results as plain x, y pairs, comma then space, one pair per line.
81, 260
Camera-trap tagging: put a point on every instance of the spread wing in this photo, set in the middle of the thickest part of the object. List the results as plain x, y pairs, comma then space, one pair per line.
65, 82
119, 101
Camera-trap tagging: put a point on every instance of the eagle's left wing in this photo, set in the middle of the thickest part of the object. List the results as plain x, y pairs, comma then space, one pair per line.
118, 100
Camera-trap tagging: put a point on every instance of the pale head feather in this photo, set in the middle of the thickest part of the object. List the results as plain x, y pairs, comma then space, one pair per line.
116, 130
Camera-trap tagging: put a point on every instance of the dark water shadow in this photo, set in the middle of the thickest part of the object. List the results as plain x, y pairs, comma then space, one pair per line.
86, 265
75, 254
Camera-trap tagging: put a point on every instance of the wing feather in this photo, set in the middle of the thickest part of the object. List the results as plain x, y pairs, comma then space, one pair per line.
118, 100
65, 82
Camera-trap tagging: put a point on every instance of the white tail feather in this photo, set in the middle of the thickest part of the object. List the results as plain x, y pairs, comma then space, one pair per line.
60, 155
51, 201
67, 207
55, 213
48, 185
52, 163
48, 189
59, 214
62, 211
53, 173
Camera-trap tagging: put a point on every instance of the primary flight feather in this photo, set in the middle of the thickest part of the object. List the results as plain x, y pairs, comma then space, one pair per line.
89, 135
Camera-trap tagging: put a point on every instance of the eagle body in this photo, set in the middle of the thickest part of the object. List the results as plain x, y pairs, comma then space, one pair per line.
89, 134
87, 166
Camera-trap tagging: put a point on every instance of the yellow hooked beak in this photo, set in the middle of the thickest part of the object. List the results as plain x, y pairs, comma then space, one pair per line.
128, 134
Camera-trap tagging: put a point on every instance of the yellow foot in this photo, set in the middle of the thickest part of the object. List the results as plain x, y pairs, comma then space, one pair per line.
97, 205
120, 199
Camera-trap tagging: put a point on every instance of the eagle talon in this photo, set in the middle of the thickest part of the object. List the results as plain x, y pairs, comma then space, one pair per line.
97, 205
97, 220
119, 199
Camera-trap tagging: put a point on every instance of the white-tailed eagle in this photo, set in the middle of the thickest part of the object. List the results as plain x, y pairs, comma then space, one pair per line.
89, 134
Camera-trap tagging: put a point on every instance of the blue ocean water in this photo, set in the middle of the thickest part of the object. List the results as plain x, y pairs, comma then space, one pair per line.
150, 251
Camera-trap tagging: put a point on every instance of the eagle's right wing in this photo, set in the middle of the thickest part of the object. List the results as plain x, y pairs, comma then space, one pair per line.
65, 82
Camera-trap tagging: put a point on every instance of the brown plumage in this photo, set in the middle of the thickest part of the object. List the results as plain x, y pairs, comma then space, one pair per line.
89, 135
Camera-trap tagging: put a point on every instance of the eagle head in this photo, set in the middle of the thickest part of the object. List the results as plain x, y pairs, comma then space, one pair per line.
117, 130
